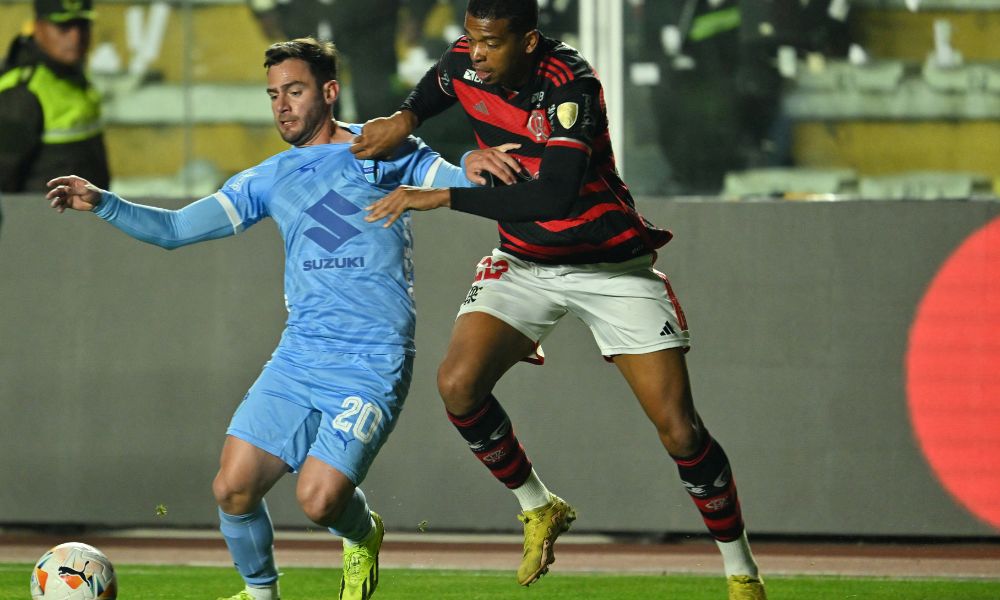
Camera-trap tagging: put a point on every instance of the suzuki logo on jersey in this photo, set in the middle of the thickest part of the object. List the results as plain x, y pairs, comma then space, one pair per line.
471, 76
351, 262
538, 125
335, 230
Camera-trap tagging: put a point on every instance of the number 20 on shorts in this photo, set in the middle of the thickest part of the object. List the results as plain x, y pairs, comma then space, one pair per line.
366, 417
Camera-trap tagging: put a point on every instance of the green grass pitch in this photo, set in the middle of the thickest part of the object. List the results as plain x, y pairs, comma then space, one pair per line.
208, 583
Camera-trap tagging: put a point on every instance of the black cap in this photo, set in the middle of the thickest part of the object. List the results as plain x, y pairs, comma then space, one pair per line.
61, 11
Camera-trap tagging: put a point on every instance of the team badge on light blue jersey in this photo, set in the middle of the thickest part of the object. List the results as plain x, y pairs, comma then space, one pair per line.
370, 169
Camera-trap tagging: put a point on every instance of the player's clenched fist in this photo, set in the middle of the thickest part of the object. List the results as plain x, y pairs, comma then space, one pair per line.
72, 192
381, 136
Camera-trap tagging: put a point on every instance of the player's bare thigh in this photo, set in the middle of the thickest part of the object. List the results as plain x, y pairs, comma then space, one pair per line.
660, 382
481, 350
245, 474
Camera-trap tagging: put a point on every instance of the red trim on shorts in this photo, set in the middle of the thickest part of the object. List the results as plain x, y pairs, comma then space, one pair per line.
681, 320
535, 357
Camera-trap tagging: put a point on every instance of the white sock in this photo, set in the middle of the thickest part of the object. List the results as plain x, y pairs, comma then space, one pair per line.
532, 494
737, 557
269, 592
349, 543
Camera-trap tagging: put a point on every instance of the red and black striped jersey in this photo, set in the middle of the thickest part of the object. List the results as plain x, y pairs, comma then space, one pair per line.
559, 118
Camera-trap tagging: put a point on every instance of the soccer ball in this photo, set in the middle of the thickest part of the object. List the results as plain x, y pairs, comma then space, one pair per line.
74, 571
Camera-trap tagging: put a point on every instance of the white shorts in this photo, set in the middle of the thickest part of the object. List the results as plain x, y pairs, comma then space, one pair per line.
629, 307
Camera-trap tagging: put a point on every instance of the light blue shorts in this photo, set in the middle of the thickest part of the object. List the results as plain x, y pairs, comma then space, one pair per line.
337, 407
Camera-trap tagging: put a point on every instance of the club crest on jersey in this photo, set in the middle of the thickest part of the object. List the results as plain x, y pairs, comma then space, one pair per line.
370, 169
471, 76
538, 125
567, 113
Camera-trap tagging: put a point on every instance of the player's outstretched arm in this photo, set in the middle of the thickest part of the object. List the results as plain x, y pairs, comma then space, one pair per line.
380, 136
406, 198
73, 192
205, 219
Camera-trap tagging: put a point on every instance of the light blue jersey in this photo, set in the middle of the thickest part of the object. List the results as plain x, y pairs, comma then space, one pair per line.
348, 283
335, 385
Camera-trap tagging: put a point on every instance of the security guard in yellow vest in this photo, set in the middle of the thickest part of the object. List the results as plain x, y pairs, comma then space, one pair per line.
50, 114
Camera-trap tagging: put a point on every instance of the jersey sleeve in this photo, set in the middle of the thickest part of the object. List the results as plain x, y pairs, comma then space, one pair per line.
245, 195
240, 203
418, 165
576, 114
205, 219
575, 117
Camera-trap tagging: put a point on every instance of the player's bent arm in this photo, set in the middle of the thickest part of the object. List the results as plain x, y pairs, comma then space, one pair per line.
443, 174
210, 218
429, 98
431, 170
546, 198
380, 137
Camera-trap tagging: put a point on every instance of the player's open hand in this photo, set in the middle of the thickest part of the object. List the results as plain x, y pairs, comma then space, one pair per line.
72, 192
406, 198
380, 136
494, 160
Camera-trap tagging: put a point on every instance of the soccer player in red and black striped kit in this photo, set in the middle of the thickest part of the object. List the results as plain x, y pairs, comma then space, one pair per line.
571, 241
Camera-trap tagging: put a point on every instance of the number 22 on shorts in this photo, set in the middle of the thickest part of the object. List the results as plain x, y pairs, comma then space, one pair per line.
487, 269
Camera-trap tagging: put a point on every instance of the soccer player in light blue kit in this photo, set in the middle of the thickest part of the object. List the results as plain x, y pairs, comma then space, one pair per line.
328, 398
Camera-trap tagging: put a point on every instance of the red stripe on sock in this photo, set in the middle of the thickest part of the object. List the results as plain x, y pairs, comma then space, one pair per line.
471, 419
697, 458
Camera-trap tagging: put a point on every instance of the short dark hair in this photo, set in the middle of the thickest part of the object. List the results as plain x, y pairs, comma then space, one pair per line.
320, 56
523, 14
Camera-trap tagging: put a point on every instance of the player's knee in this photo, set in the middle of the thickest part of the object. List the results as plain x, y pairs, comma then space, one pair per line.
680, 437
459, 388
321, 504
233, 499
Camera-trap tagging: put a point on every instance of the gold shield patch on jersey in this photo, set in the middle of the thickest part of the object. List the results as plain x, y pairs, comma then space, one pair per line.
567, 113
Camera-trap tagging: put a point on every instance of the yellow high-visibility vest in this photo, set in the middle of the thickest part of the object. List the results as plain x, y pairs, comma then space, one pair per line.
71, 113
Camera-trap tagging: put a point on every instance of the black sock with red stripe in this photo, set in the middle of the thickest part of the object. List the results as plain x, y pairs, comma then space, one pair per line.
491, 438
709, 480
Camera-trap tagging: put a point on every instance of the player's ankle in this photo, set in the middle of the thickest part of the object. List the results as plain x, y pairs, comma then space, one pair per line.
264, 592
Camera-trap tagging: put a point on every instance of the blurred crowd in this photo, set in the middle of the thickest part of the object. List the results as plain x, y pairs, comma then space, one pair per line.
716, 104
